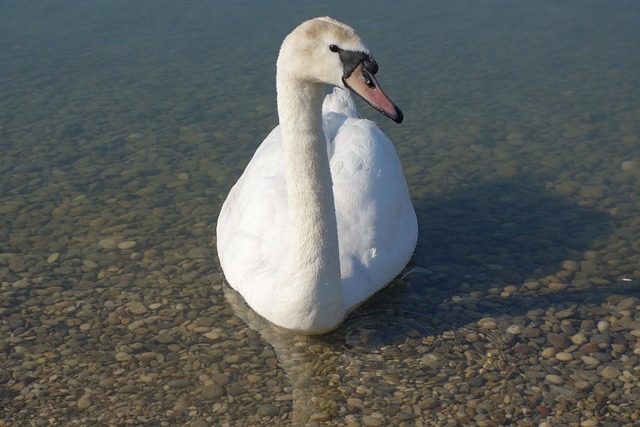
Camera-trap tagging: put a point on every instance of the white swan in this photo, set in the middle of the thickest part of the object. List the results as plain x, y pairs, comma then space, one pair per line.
321, 218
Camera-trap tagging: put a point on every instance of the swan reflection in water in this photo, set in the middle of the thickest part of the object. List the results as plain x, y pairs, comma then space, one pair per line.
388, 360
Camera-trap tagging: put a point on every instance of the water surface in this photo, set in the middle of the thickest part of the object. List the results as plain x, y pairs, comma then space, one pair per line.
123, 125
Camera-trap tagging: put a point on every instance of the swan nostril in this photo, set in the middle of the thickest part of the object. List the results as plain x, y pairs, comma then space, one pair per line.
367, 79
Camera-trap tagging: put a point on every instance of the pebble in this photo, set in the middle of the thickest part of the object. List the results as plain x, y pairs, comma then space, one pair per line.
578, 339
592, 361
109, 242
488, 323
129, 244
90, 264
630, 165
83, 403
558, 341
267, 410
610, 372
564, 356
370, 421
554, 379
136, 307
122, 356
179, 383
626, 304
548, 352
583, 385
515, 329
603, 326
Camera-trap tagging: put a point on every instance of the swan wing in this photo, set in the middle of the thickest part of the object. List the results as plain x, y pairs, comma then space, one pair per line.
377, 225
252, 226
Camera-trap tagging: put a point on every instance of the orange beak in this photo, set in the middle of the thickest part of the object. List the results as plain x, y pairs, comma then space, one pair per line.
365, 84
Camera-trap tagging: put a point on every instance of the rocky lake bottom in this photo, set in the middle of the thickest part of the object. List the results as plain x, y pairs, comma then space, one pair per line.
521, 148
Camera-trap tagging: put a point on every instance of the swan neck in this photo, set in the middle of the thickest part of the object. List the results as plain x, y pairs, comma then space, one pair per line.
311, 269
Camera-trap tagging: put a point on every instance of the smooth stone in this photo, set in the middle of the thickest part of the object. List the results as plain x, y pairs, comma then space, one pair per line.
554, 379
199, 253
136, 307
488, 323
212, 391
128, 388
603, 326
578, 339
109, 242
610, 372
370, 421
107, 382
630, 165
564, 314
626, 304
589, 376
588, 349
601, 340
532, 285
571, 266
548, 353
319, 417
253, 378
472, 337
53, 257
564, 356
429, 403
592, 361
129, 244
212, 335
83, 403
583, 385
268, 410
122, 356
558, 341
355, 402
90, 264
515, 329
179, 383
531, 332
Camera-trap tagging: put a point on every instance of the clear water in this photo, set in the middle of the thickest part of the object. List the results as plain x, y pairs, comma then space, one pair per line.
131, 121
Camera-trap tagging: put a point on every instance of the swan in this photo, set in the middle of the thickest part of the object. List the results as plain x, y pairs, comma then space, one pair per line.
321, 217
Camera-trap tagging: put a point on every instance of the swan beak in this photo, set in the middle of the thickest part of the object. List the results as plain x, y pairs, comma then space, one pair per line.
362, 82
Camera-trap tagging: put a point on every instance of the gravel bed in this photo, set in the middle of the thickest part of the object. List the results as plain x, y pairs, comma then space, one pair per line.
121, 137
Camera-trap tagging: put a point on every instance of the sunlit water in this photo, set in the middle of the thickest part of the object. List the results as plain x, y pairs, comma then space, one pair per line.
124, 124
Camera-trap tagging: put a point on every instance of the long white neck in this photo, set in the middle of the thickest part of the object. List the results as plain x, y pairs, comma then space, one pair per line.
310, 276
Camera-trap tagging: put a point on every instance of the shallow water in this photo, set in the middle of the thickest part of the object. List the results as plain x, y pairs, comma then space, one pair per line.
123, 125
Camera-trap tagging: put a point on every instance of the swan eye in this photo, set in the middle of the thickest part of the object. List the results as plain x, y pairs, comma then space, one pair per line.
334, 48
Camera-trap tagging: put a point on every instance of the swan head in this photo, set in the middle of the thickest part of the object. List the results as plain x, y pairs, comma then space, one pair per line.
325, 51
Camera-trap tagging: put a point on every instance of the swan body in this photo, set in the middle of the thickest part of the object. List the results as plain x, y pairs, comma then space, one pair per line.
321, 218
